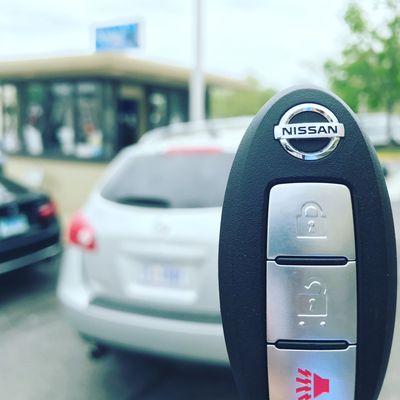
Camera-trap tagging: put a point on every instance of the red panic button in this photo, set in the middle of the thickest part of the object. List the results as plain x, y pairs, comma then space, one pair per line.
311, 374
310, 385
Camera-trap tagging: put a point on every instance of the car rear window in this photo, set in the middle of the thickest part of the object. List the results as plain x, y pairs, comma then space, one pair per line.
175, 179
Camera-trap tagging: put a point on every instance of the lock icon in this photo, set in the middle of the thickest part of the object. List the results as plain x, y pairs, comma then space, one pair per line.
311, 223
313, 302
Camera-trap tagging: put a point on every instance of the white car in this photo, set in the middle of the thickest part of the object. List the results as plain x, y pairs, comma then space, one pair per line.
141, 269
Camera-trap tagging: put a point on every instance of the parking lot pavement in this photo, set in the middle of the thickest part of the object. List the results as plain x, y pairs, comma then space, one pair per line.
42, 358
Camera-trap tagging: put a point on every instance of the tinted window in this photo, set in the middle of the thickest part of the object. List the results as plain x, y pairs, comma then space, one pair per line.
176, 180
158, 109
89, 141
9, 122
178, 104
62, 119
167, 106
34, 118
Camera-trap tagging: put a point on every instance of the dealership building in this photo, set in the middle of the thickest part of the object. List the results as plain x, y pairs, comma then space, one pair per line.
89, 107
62, 119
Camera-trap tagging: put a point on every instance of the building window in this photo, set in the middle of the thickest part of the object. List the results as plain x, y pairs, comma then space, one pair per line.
109, 120
34, 119
167, 106
89, 138
58, 119
179, 106
61, 119
158, 109
9, 118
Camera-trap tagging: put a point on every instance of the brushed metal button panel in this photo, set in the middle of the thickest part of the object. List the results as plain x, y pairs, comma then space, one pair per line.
310, 219
311, 302
315, 374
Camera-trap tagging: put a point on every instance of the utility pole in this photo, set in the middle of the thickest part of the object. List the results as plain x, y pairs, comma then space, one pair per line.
197, 85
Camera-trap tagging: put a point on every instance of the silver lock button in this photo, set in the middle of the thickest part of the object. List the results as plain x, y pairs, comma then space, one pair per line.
310, 219
311, 302
311, 222
311, 374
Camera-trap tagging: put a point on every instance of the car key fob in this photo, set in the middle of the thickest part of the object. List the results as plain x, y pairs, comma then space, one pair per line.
307, 258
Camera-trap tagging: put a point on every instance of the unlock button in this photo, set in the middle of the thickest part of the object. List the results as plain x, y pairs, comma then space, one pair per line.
311, 302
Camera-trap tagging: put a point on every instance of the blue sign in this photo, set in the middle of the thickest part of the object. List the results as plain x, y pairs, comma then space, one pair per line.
119, 37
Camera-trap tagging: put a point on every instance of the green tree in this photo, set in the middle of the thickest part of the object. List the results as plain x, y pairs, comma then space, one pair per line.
368, 74
246, 101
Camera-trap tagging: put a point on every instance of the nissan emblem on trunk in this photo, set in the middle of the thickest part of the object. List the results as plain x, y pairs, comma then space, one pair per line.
330, 131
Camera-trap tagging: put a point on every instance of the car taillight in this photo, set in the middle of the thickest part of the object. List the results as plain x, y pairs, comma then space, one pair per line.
47, 210
81, 233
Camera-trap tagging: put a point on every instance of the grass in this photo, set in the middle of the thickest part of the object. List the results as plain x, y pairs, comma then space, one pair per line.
390, 152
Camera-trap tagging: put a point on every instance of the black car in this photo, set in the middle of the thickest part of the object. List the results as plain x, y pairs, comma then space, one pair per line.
29, 227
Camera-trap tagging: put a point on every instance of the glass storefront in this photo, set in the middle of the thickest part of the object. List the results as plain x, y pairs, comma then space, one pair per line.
167, 106
158, 108
82, 119
179, 106
89, 138
9, 119
34, 133
61, 119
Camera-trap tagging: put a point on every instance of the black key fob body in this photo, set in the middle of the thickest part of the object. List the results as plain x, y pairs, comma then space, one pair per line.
307, 263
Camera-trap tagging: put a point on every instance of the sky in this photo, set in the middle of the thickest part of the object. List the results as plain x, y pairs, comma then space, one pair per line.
280, 42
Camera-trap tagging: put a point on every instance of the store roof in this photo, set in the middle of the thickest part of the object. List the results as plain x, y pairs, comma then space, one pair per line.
111, 65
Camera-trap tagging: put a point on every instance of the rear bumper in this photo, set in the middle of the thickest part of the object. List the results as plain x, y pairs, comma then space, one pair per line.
178, 339
32, 258
18, 252
199, 341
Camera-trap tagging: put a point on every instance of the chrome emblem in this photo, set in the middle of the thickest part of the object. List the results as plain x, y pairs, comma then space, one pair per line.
331, 129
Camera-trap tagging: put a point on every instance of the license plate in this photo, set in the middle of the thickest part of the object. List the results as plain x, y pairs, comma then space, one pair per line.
164, 275
12, 226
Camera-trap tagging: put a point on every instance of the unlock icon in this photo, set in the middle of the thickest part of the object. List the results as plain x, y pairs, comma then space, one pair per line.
313, 302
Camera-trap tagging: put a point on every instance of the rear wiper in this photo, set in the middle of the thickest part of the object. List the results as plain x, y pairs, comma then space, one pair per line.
144, 201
